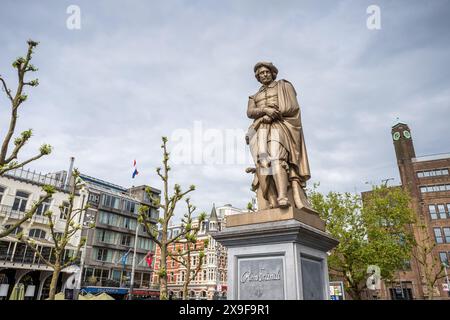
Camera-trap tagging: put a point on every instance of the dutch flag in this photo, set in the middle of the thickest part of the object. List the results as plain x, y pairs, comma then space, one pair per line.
135, 171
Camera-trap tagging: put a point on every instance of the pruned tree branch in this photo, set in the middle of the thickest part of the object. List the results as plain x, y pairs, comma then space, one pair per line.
23, 66
48, 194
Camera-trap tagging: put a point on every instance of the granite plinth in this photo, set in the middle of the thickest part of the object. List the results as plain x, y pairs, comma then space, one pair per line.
270, 259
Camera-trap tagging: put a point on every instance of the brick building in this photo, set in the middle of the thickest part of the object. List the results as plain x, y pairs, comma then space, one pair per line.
211, 281
428, 181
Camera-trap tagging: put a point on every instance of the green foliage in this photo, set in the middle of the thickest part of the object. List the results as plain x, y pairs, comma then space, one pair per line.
18, 62
374, 234
32, 43
49, 189
45, 149
162, 273
31, 68
34, 83
202, 217
23, 97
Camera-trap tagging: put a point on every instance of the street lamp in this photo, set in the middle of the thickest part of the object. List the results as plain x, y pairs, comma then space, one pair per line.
217, 292
90, 218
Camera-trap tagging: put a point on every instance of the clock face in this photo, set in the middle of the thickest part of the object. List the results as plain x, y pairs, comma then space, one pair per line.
396, 136
406, 134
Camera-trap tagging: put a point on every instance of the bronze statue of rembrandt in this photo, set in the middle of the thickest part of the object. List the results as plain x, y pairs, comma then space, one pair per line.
276, 142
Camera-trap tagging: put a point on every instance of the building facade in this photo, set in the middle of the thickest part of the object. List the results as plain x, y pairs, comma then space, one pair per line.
108, 258
19, 189
211, 281
428, 181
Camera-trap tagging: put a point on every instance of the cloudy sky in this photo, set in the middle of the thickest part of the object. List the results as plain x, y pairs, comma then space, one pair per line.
139, 70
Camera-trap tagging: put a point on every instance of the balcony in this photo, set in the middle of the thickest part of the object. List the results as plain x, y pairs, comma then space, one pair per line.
8, 211
56, 180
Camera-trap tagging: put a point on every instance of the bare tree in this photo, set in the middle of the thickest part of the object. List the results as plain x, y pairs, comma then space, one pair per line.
432, 268
168, 210
61, 240
23, 66
188, 248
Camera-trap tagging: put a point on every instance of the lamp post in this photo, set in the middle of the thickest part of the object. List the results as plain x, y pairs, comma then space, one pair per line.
87, 226
130, 294
217, 292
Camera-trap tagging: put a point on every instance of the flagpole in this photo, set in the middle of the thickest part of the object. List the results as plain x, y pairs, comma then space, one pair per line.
134, 262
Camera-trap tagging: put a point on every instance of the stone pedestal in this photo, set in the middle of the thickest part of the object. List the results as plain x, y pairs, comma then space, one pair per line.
277, 254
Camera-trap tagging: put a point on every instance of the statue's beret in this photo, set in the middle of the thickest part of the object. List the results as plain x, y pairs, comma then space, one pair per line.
268, 65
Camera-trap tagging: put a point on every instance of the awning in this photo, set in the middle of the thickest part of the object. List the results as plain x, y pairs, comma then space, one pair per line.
145, 292
109, 290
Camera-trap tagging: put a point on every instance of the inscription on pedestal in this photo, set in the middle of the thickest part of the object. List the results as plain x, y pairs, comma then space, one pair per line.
261, 278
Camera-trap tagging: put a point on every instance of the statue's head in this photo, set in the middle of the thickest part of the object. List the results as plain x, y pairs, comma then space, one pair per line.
265, 72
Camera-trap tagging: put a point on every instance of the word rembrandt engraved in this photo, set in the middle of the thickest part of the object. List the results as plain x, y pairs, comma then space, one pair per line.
261, 276
276, 142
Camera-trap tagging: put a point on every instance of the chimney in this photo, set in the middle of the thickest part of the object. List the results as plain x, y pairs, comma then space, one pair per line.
69, 173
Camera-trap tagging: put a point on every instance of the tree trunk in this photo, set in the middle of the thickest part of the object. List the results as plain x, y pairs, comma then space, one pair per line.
163, 275
185, 291
54, 282
430, 291
186, 281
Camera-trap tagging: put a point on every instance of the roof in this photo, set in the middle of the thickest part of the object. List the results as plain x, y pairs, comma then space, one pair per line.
213, 215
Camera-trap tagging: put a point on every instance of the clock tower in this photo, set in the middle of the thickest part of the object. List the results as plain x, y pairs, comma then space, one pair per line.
404, 151
403, 144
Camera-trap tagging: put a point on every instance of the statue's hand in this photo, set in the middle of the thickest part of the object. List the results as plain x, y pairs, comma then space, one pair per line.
272, 112
266, 119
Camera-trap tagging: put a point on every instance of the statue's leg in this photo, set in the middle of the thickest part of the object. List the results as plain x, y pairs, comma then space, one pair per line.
267, 188
279, 173
281, 182
300, 198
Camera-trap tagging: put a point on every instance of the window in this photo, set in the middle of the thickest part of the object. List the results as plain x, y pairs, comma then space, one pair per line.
37, 233
20, 202
441, 210
126, 240
111, 202
94, 198
126, 223
438, 235
435, 188
43, 207
2, 191
102, 254
432, 210
16, 231
447, 234
64, 210
130, 206
444, 258
432, 173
